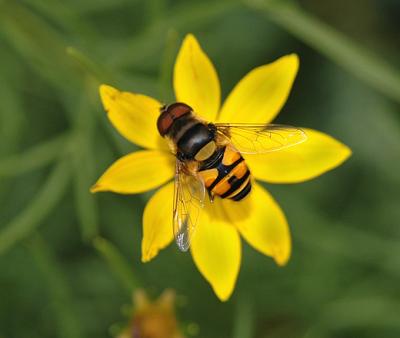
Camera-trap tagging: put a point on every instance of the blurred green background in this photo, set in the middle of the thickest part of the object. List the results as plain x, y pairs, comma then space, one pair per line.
69, 259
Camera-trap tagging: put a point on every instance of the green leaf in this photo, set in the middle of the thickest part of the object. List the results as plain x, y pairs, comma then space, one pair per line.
184, 18
12, 119
342, 239
42, 204
94, 6
347, 53
83, 164
62, 14
34, 158
67, 320
90, 67
117, 263
167, 63
244, 318
40, 44
83, 168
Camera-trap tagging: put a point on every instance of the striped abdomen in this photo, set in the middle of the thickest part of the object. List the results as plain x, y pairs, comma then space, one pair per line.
227, 175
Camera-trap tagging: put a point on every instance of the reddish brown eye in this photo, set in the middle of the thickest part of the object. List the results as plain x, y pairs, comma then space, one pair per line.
164, 123
178, 109
169, 114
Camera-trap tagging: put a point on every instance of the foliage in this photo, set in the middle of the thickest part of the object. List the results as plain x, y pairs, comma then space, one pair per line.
69, 259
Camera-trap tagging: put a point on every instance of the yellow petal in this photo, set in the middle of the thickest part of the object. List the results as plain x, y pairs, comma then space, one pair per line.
260, 95
157, 222
318, 154
137, 172
262, 224
134, 116
196, 81
216, 250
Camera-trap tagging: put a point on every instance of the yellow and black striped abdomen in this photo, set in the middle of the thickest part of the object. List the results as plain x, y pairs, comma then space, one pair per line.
228, 176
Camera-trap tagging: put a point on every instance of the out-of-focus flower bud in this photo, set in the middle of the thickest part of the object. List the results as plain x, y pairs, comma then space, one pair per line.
153, 319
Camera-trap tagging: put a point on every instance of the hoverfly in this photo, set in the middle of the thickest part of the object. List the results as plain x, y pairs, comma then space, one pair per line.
209, 158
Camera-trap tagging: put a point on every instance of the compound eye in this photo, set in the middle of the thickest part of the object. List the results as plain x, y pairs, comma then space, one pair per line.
178, 109
164, 123
169, 114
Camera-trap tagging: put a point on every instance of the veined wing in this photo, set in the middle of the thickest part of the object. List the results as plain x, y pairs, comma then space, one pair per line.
261, 138
188, 202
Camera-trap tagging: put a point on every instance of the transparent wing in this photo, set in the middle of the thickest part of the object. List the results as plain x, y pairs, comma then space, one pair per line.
260, 138
188, 202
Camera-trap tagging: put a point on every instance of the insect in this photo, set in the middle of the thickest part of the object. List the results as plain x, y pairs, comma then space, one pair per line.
209, 159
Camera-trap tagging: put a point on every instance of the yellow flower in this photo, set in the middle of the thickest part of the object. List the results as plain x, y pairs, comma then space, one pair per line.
152, 319
257, 98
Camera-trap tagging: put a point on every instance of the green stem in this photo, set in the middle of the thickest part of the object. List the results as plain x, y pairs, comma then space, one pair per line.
167, 62
34, 158
83, 165
155, 10
345, 52
117, 263
30, 35
95, 74
59, 292
42, 204
244, 318
61, 13
342, 240
184, 17
99, 73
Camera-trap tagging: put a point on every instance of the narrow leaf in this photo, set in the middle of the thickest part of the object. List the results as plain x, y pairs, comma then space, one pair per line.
347, 53
66, 318
117, 263
42, 204
82, 153
36, 157
167, 63
244, 318
88, 66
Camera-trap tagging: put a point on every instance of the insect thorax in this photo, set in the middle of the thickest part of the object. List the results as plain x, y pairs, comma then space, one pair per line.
193, 138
